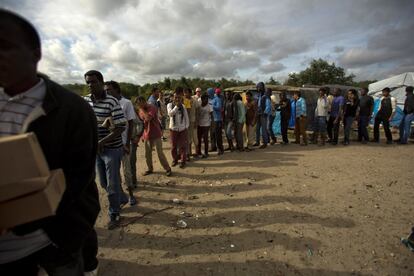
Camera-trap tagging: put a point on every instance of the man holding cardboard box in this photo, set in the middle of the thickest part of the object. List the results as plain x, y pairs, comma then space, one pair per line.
47, 229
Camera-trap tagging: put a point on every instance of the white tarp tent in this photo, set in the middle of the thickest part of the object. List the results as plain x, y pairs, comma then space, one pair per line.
397, 84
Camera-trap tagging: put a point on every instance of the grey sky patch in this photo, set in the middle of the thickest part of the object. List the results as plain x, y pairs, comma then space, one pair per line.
271, 68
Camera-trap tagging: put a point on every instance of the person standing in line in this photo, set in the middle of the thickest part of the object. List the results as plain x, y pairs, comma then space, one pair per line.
192, 107
405, 124
229, 119
271, 114
162, 114
113, 89
385, 115
31, 102
300, 120
350, 112
260, 129
197, 95
285, 113
239, 121
218, 120
366, 107
321, 113
335, 116
204, 114
213, 140
251, 116
151, 136
179, 123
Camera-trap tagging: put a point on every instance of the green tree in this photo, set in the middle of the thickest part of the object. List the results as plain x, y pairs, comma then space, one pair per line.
272, 81
320, 72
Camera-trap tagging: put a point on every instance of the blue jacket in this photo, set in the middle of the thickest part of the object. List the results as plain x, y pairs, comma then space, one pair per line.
300, 107
268, 106
217, 108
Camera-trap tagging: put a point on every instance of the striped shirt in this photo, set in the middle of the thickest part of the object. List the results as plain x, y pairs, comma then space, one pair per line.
107, 107
13, 113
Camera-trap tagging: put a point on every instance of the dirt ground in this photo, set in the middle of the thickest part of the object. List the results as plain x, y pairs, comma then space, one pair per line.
284, 210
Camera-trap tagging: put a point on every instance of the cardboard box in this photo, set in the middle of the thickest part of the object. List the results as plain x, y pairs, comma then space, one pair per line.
35, 205
21, 158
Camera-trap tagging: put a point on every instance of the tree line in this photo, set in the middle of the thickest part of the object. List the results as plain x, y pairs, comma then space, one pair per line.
319, 72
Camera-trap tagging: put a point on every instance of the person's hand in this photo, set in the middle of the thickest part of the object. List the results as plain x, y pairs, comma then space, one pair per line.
127, 149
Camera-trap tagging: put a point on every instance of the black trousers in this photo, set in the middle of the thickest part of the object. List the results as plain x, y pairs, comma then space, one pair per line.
202, 134
284, 125
386, 125
213, 141
90, 251
219, 136
333, 129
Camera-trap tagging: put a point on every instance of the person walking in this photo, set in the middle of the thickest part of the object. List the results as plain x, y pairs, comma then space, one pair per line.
366, 106
151, 136
179, 123
300, 120
335, 116
351, 110
251, 116
204, 114
408, 117
385, 115
285, 113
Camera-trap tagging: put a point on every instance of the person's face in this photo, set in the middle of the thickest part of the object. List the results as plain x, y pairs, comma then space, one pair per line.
178, 98
385, 93
363, 92
198, 93
260, 88
335, 92
187, 94
248, 97
204, 101
350, 95
18, 62
111, 91
95, 86
156, 93
296, 96
321, 93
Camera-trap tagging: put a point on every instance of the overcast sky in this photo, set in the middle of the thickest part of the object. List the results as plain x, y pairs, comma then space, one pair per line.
143, 41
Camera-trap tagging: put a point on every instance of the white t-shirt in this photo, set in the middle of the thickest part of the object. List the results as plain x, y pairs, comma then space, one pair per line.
204, 119
129, 114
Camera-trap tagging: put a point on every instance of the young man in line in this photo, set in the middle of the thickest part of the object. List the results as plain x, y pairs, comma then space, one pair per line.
113, 89
151, 135
300, 120
321, 113
110, 145
229, 119
204, 122
34, 103
218, 120
192, 111
285, 112
179, 123
366, 106
239, 121
337, 108
251, 115
385, 115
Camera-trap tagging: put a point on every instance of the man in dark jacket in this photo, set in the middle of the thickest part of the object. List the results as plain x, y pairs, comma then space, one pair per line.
66, 129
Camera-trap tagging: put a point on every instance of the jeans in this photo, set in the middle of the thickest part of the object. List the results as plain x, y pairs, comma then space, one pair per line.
362, 128
133, 162
405, 127
219, 137
332, 126
54, 260
213, 140
347, 128
126, 170
264, 120
229, 126
386, 125
108, 165
270, 121
239, 135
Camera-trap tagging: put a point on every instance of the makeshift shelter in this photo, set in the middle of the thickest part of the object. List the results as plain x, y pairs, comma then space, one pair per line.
397, 84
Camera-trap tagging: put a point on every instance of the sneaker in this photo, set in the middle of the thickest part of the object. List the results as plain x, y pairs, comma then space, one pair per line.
114, 222
168, 173
255, 144
409, 244
91, 273
204, 156
220, 153
124, 200
147, 173
174, 163
263, 146
182, 165
132, 201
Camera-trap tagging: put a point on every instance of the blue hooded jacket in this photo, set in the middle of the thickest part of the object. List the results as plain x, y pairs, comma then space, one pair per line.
217, 108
